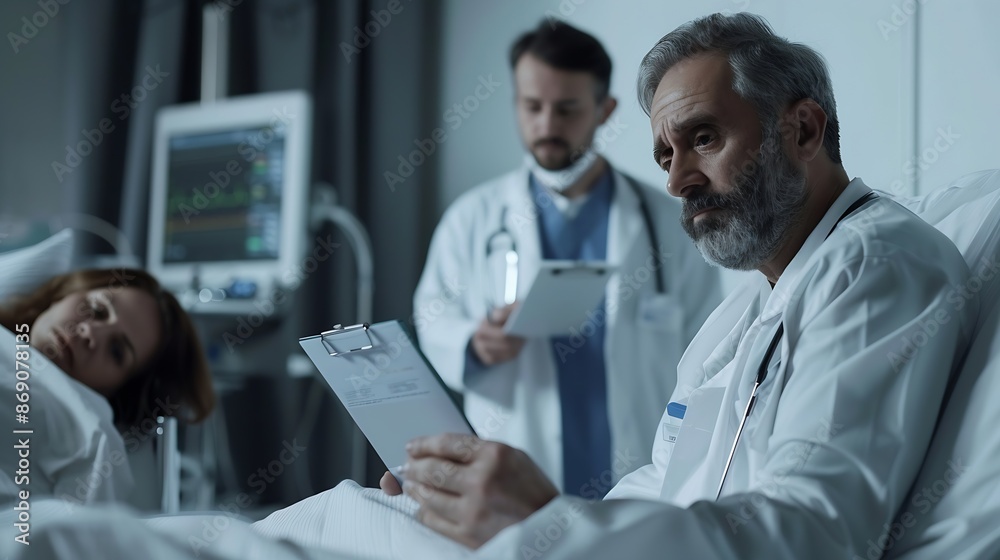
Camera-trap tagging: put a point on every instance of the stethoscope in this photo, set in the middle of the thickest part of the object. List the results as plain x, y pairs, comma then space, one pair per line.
762, 369
511, 255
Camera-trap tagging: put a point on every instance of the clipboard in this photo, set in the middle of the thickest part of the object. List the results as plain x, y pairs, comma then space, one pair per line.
560, 298
386, 384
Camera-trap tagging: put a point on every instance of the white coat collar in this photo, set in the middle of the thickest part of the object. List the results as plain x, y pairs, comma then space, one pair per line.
789, 279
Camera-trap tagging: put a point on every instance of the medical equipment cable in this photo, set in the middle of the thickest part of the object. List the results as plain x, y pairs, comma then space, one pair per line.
325, 209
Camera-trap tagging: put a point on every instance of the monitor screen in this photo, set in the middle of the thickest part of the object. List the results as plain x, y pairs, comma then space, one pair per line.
229, 191
224, 196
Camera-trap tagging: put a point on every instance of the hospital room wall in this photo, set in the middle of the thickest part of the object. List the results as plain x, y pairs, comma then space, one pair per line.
33, 113
958, 115
886, 65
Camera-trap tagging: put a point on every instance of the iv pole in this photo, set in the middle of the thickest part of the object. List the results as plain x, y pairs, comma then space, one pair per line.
214, 82
325, 209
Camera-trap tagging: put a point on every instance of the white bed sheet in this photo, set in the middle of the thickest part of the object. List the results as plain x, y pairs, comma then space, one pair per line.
76, 456
346, 522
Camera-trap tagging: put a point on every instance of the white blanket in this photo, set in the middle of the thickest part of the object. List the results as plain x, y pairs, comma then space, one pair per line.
347, 522
351, 522
73, 453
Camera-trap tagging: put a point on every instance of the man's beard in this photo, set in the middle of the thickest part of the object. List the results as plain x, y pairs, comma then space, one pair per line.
557, 163
578, 163
753, 219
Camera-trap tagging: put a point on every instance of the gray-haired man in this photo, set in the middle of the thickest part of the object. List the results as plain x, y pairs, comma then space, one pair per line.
805, 405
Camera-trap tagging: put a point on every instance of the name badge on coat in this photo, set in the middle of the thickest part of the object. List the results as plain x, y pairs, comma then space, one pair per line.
693, 440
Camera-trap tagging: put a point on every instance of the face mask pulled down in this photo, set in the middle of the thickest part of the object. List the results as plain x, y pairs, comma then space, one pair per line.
561, 179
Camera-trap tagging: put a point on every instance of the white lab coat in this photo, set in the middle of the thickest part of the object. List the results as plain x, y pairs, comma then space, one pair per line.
518, 402
841, 423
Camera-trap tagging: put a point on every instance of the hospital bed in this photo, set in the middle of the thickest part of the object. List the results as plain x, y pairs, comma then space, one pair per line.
156, 461
961, 521
156, 469
953, 510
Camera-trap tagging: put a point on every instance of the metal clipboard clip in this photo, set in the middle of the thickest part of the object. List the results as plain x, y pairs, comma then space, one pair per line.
580, 266
340, 329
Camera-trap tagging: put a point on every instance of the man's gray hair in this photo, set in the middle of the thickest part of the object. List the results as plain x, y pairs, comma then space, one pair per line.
769, 72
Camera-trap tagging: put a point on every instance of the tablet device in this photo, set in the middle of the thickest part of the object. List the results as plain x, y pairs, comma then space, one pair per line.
563, 296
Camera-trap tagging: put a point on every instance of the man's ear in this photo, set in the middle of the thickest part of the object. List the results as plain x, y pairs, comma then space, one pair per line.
607, 107
803, 128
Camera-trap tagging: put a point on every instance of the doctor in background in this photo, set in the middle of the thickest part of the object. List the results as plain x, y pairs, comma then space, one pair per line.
805, 404
584, 406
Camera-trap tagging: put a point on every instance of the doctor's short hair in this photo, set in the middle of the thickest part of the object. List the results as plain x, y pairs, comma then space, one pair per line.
177, 375
769, 71
565, 47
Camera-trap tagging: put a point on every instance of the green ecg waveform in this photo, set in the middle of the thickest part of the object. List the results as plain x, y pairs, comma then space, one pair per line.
237, 196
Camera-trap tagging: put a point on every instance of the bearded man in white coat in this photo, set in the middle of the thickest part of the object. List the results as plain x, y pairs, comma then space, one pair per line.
583, 406
805, 404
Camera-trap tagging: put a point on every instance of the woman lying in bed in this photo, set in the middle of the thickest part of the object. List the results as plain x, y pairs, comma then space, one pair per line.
108, 351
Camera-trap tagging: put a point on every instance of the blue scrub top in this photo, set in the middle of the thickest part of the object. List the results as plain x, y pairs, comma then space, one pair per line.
579, 357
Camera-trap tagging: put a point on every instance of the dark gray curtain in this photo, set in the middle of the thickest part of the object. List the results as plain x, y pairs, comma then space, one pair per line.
165, 43
368, 109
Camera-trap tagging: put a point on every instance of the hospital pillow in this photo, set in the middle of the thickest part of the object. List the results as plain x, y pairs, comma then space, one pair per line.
955, 502
965, 211
26, 269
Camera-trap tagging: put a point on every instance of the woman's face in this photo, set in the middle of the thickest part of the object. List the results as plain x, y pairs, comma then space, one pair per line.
100, 337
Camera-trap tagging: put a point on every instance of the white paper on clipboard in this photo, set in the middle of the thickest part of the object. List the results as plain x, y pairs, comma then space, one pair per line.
561, 296
388, 387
